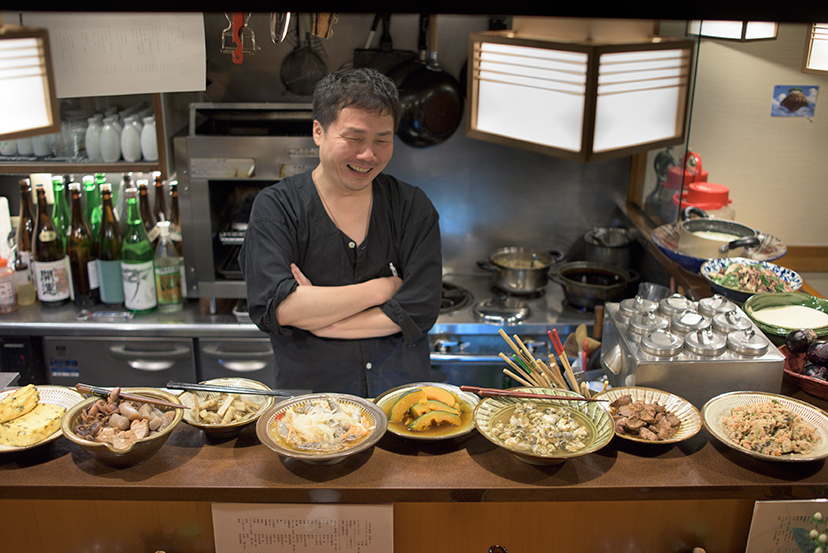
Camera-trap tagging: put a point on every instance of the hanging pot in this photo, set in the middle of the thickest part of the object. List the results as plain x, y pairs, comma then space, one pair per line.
520, 270
431, 100
708, 238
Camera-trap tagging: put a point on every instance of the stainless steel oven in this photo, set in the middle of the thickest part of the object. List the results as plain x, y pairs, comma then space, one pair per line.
228, 153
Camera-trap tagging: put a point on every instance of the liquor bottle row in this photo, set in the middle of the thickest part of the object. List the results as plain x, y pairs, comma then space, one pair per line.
79, 251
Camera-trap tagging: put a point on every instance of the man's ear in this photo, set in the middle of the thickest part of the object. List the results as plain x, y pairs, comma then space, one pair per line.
318, 131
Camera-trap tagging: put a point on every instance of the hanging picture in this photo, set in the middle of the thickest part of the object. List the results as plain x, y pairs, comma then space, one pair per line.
794, 100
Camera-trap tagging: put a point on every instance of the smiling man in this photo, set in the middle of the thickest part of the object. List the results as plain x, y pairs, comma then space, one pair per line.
343, 264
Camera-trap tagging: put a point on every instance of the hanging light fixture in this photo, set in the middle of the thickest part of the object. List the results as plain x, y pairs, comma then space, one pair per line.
584, 96
815, 59
733, 30
27, 85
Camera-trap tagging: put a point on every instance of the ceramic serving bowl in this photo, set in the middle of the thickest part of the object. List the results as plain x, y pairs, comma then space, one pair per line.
491, 412
466, 400
52, 395
713, 268
233, 428
308, 440
140, 450
777, 333
689, 416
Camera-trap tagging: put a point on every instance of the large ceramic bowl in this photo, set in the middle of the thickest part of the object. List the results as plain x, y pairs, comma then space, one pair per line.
467, 402
685, 411
140, 450
594, 416
778, 332
315, 451
233, 428
716, 409
52, 395
712, 269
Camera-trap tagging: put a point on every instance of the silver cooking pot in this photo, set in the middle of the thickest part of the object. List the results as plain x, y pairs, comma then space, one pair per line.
520, 270
609, 245
707, 238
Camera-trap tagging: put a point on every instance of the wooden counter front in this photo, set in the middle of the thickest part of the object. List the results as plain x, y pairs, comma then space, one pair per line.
57, 493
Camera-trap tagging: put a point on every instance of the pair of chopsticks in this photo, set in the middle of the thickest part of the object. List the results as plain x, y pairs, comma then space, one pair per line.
530, 371
496, 392
104, 393
225, 389
559, 349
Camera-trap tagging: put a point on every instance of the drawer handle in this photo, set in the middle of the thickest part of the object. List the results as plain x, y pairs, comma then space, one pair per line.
214, 353
150, 360
242, 366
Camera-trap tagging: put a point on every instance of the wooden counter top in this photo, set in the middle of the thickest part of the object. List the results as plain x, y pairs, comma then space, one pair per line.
190, 468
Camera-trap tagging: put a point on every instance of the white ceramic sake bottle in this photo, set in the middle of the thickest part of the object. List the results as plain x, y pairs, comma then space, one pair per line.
110, 141
93, 138
149, 139
131, 141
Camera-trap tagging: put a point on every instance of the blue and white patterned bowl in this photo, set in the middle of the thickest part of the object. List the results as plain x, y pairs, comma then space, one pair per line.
712, 267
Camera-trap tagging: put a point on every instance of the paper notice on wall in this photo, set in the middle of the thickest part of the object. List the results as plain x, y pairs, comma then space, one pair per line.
796, 526
106, 54
299, 528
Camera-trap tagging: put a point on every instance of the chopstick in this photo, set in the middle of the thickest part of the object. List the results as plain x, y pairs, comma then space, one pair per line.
495, 392
556, 341
104, 392
224, 389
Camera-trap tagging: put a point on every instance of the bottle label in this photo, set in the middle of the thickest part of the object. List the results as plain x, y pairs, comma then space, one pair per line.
8, 295
168, 284
47, 236
111, 282
92, 270
51, 280
139, 285
153, 233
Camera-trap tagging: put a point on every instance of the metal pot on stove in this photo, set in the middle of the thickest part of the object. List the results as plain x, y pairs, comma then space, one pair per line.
587, 284
520, 270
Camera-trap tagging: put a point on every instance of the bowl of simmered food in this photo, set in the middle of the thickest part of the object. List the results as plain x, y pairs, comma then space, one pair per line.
428, 411
225, 414
738, 278
544, 431
321, 428
777, 314
119, 432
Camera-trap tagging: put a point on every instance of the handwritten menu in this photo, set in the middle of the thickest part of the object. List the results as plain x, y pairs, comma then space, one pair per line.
104, 54
785, 526
328, 528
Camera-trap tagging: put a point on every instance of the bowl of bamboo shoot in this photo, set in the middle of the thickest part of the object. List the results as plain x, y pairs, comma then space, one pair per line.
225, 414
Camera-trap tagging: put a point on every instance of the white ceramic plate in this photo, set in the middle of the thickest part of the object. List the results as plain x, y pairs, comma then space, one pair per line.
720, 406
468, 401
689, 416
52, 395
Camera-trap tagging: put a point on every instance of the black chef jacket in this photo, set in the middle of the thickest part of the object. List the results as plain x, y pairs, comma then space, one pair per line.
289, 224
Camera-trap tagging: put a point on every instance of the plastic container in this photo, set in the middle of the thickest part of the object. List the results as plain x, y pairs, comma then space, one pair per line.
711, 197
8, 292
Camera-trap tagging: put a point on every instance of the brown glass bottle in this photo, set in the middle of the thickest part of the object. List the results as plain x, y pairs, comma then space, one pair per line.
82, 252
160, 201
51, 273
110, 239
25, 228
175, 219
147, 216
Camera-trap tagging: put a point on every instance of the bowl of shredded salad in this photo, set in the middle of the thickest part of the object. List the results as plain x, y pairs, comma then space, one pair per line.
738, 278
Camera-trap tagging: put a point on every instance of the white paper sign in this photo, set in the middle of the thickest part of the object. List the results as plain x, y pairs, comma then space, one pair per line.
299, 528
786, 526
105, 54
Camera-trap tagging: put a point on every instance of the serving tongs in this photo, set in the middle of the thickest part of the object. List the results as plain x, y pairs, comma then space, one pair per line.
497, 392
225, 389
104, 393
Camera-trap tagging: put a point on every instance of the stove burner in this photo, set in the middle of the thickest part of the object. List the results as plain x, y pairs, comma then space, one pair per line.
526, 295
504, 310
579, 308
454, 298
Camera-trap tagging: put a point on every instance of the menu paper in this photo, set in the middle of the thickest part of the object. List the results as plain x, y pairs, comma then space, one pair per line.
295, 528
107, 54
784, 526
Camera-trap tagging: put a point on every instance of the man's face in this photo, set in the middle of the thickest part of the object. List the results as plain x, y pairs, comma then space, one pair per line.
355, 148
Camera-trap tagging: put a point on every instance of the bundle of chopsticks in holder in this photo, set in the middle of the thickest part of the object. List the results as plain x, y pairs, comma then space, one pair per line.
533, 372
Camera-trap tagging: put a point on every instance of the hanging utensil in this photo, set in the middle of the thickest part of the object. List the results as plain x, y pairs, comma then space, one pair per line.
302, 68
323, 24
279, 26
238, 38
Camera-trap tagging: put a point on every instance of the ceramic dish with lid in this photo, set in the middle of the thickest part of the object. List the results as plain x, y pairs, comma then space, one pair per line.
738, 278
465, 403
309, 436
689, 416
258, 402
778, 313
492, 414
715, 410
51, 395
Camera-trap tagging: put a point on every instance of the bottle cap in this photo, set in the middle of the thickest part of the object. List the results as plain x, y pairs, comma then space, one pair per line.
3, 262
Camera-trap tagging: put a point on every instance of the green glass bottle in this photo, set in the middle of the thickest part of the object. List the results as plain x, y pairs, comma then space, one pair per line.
137, 267
81, 249
92, 201
60, 208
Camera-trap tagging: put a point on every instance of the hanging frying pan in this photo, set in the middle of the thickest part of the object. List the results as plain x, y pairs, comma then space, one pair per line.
431, 99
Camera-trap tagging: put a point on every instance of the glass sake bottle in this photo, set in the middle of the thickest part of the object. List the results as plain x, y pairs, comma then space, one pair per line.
167, 271
137, 267
92, 201
175, 218
82, 251
160, 208
110, 237
51, 266
60, 208
149, 220
25, 226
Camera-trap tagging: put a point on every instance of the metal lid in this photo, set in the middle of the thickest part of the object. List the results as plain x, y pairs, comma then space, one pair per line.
644, 323
662, 343
705, 342
689, 321
501, 310
731, 321
714, 305
675, 304
747, 342
634, 306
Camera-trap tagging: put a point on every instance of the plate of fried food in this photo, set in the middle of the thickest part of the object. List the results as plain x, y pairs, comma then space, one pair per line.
428, 411
31, 415
651, 416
